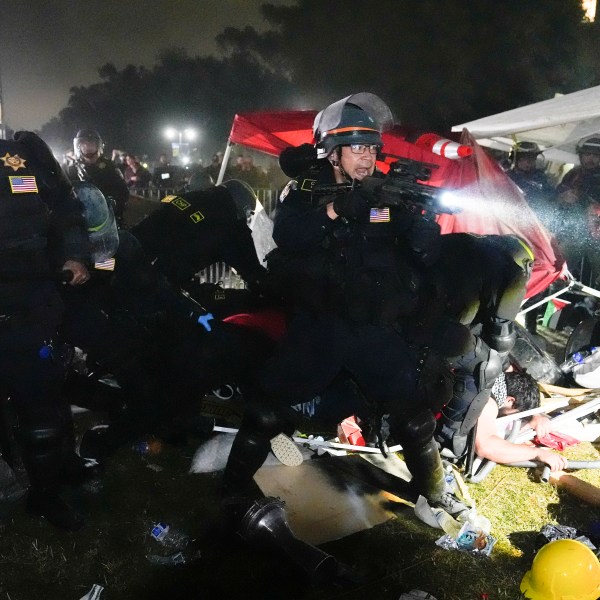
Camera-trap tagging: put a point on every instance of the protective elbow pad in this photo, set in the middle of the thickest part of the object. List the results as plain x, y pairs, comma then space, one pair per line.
499, 335
489, 370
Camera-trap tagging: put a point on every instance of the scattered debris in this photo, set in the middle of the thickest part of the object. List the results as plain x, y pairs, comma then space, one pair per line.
94, 593
178, 558
167, 536
471, 539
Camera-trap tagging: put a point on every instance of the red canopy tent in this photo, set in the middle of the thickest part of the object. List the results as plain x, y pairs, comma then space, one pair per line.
493, 203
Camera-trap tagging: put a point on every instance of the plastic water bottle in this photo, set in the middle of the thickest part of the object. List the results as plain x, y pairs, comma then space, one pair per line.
151, 446
169, 537
577, 358
179, 558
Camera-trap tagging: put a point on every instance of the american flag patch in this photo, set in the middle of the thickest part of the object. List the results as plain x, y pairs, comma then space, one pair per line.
380, 215
105, 265
23, 184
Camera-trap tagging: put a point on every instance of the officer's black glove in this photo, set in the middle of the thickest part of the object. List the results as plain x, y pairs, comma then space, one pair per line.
425, 240
353, 205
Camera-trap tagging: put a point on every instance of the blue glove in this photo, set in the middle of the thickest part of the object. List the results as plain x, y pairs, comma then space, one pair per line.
204, 321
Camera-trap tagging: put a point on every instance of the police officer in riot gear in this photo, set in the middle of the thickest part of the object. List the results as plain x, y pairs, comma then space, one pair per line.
112, 318
533, 182
474, 293
90, 165
195, 229
41, 232
353, 272
579, 194
162, 347
581, 184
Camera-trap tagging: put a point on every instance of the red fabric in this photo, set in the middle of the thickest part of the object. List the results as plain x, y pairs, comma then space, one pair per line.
557, 441
349, 432
272, 132
560, 304
495, 204
272, 323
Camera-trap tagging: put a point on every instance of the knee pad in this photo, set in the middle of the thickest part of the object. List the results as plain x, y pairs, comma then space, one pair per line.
499, 335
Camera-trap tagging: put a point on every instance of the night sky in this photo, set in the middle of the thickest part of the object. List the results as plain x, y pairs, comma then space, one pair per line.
46, 47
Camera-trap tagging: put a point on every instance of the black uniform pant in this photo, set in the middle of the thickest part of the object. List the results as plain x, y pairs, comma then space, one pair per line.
31, 374
314, 351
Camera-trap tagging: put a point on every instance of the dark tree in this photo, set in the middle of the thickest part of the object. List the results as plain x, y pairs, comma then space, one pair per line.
131, 108
437, 63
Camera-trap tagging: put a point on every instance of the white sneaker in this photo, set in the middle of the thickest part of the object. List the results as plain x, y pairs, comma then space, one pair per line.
285, 450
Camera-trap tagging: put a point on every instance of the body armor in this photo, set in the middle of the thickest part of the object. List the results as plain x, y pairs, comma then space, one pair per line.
24, 221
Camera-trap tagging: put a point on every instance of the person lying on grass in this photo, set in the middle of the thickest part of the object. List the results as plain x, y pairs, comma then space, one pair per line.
514, 392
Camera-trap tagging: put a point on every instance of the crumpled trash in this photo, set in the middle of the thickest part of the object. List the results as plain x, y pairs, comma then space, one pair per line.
172, 560
94, 593
212, 455
556, 441
564, 532
471, 539
416, 595
170, 537
436, 517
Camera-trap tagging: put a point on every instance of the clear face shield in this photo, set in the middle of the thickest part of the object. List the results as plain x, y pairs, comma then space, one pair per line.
330, 117
358, 118
100, 219
87, 150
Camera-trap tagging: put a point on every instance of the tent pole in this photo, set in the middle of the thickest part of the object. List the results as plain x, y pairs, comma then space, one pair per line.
224, 163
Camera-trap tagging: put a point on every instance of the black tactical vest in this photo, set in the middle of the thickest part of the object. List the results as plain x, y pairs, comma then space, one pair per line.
23, 214
24, 222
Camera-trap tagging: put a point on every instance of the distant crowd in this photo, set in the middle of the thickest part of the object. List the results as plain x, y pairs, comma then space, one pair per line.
171, 173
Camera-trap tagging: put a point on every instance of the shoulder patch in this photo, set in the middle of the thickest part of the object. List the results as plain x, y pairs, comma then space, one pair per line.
15, 162
292, 185
197, 217
177, 201
25, 184
380, 215
308, 185
106, 265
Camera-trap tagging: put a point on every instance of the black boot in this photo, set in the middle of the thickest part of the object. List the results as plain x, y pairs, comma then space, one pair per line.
428, 480
238, 490
42, 451
46, 503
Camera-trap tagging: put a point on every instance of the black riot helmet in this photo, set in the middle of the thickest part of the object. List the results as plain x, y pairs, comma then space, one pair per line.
88, 145
100, 219
524, 150
356, 119
589, 146
199, 181
244, 197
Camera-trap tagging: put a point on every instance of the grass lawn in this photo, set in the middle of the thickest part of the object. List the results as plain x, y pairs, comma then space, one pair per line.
38, 561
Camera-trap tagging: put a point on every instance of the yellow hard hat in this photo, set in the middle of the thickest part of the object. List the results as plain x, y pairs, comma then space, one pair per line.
563, 570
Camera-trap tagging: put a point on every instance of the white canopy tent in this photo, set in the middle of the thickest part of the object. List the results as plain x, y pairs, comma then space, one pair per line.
556, 125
